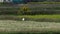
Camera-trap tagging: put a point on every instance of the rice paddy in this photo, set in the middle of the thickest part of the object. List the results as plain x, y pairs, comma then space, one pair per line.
28, 26
41, 16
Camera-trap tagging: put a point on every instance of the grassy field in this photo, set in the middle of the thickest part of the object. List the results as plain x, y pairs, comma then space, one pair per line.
17, 27
40, 16
43, 2
13, 24
33, 16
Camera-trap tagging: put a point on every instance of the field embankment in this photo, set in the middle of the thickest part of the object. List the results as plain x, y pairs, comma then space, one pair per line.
39, 18
31, 8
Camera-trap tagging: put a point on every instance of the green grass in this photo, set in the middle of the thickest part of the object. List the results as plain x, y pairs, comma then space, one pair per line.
43, 2
41, 16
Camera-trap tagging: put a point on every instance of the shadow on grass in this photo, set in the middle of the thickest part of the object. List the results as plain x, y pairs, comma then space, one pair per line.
29, 33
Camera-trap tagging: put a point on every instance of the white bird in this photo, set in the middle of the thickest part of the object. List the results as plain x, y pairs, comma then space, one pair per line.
23, 19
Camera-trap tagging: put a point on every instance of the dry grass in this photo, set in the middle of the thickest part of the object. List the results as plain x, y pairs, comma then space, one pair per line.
28, 26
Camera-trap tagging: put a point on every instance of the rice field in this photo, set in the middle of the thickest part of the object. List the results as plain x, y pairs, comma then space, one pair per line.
8, 24
41, 16
28, 26
43, 2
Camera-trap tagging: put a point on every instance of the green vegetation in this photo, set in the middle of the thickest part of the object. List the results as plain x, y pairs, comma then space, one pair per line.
43, 10
35, 18
37, 13
31, 11
41, 16
43, 2
25, 10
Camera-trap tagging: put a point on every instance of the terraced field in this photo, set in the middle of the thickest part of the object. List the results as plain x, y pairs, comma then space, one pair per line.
28, 26
33, 23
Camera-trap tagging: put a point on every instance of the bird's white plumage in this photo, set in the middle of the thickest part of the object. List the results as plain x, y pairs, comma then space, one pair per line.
23, 19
